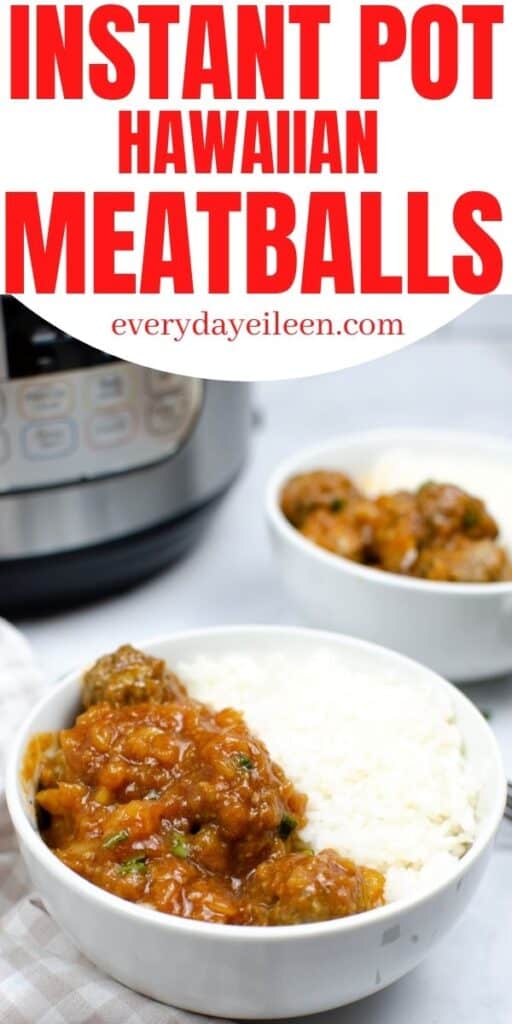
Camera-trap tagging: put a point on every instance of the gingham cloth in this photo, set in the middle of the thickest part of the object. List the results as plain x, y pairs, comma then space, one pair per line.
44, 979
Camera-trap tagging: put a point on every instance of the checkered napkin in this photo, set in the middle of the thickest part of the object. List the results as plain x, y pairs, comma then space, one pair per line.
44, 979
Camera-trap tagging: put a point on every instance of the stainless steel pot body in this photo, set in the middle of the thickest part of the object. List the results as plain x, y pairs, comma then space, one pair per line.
94, 451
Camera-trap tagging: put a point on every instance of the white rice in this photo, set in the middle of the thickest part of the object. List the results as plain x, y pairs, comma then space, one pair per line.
485, 477
381, 760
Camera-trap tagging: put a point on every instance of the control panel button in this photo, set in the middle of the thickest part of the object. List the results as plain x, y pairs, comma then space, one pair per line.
160, 383
5, 448
110, 389
111, 429
44, 335
165, 417
45, 399
50, 440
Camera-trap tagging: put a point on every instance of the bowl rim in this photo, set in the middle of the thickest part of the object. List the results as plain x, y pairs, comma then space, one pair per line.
68, 879
290, 466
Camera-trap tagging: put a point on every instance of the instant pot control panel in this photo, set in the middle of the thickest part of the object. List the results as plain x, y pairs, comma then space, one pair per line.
70, 413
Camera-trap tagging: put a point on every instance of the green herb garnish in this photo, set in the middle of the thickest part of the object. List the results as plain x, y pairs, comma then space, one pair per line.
135, 865
471, 518
301, 847
179, 846
112, 841
287, 825
337, 505
243, 761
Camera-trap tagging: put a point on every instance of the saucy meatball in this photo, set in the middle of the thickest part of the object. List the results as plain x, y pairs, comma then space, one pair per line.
309, 491
349, 532
303, 888
401, 532
130, 677
462, 560
448, 510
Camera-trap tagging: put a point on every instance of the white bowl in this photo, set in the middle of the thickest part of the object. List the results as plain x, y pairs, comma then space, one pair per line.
249, 972
463, 631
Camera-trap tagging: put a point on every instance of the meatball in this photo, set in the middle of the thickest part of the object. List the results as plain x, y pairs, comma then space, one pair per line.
448, 510
305, 888
461, 560
401, 532
349, 532
322, 489
130, 677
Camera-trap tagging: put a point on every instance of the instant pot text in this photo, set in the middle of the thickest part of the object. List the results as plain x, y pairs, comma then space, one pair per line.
255, 73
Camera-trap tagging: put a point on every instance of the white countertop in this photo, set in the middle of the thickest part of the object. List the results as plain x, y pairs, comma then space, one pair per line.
229, 578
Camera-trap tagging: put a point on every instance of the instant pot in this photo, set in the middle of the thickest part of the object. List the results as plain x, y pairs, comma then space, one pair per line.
108, 470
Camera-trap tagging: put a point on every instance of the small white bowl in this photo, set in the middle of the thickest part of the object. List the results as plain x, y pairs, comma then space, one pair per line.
253, 973
463, 631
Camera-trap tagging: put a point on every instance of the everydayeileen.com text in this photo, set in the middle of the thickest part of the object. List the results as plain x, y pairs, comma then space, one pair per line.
268, 325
